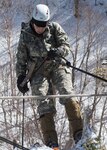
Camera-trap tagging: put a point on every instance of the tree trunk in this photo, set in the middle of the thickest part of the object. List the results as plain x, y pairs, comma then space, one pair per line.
76, 8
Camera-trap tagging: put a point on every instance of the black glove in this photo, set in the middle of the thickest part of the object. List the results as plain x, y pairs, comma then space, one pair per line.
23, 89
52, 54
55, 52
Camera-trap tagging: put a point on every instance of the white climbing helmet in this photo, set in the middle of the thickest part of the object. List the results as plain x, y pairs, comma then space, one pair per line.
41, 13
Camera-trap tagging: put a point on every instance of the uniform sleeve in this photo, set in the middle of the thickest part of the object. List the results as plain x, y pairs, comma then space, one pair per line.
62, 40
21, 57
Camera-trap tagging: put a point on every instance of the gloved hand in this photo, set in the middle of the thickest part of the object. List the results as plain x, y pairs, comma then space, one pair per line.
55, 52
52, 54
23, 89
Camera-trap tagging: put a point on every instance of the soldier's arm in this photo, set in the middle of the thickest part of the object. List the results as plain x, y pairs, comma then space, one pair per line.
62, 40
21, 57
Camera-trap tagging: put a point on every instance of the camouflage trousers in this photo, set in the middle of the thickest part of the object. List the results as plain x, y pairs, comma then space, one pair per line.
40, 85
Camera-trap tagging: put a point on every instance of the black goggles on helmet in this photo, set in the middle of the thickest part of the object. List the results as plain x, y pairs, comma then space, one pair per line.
39, 23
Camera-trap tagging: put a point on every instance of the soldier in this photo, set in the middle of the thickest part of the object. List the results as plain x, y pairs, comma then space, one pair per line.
43, 40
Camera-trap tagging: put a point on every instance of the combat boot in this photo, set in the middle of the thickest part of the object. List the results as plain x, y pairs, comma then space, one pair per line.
53, 145
48, 129
74, 116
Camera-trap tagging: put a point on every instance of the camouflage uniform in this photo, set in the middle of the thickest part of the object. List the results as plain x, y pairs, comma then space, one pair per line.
34, 48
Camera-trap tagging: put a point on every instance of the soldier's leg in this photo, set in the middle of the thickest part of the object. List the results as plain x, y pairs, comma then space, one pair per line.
46, 109
74, 116
62, 79
48, 130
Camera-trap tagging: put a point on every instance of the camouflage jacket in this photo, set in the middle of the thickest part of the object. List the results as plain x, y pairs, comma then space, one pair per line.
34, 48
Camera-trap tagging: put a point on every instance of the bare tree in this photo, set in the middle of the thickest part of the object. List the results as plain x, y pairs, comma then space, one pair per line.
76, 8
88, 56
